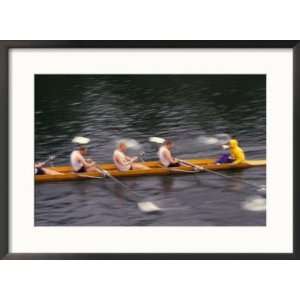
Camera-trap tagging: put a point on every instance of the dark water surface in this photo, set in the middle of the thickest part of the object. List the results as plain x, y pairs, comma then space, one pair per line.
106, 108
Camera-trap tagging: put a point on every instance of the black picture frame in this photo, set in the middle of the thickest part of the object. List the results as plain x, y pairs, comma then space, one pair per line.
5, 46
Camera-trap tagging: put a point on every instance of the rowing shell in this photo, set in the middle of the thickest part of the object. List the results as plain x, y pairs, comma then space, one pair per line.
155, 169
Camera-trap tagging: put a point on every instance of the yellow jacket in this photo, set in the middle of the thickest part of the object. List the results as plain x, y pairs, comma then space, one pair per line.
236, 152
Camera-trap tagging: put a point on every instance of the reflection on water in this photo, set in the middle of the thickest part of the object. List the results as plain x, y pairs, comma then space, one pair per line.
108, 108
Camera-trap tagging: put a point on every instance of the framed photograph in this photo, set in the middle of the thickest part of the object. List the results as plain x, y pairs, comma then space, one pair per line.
149, 149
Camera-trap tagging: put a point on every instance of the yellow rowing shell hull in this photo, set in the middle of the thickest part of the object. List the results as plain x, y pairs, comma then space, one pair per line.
155, 169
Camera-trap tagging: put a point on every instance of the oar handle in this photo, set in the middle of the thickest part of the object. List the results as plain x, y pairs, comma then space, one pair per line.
200, 168
103, 172
141, 155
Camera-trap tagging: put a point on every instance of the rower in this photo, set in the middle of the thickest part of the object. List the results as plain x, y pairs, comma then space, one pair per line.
236, 152
165, 155
236, 155
79, 163
124, 162
39, 169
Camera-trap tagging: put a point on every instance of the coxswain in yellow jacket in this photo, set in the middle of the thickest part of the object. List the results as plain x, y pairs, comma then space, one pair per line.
236, 152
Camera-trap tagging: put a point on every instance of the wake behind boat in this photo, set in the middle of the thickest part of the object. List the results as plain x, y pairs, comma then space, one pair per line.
155, 168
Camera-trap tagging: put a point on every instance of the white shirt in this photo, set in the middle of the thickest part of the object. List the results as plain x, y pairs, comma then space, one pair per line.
162, 155
75, 163
120, 161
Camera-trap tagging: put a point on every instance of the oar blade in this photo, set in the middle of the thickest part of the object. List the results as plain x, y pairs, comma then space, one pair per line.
148, 207
207, 140
80, 140
223, 138
156, 140
217, 139
130, 143
255, 203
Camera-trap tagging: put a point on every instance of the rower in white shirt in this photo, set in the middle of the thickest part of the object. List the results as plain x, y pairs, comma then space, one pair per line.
79, 163
124, 162
165, 155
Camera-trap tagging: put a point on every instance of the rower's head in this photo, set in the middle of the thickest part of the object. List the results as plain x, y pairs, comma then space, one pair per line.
83, 150
122, 146
168, 143
233, 143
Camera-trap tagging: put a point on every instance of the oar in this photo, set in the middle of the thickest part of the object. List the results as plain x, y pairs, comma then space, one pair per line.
89, 176
51, 157
145, 206
201, 168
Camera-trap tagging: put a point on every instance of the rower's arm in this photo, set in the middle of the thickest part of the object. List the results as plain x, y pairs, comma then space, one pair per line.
131, 159
169, 157
124, 162
84, 162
